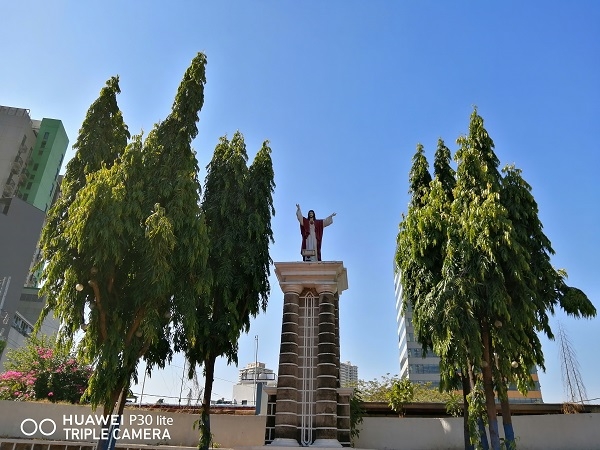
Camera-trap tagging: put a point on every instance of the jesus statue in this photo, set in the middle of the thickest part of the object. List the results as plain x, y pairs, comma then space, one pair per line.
311, 230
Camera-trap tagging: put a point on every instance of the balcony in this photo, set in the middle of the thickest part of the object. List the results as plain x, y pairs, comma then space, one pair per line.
17, 166
9, 188
23, 178
22, 325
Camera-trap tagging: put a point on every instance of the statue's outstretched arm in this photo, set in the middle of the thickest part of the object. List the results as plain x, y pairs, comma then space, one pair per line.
328, 220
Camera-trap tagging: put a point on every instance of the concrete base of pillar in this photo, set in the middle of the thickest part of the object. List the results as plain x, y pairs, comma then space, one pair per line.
326, 443
284, 442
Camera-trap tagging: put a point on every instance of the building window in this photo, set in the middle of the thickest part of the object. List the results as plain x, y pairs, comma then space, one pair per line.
25, 197
24, 140
35, 166
46, 135
43, 144
418, 353
29, 185
424, 368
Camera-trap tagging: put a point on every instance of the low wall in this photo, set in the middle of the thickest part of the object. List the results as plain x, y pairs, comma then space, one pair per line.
548, 432
29, 420
19, 420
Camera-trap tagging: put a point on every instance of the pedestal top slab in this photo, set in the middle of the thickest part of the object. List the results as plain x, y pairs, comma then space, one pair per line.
317, 274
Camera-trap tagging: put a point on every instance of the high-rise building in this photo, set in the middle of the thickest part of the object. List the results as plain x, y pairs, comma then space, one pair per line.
348, 374
413, 365
31, 154
420, 368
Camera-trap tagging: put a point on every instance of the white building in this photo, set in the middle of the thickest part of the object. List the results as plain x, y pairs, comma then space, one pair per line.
348, 374
245, 391
412, 364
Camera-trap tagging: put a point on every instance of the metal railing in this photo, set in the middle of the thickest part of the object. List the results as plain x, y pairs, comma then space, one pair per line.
308, 363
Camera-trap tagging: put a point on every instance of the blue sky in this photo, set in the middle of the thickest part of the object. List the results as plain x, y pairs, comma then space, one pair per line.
345, 90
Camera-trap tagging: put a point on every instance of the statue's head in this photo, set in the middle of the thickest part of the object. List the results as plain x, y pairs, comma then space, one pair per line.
311, 214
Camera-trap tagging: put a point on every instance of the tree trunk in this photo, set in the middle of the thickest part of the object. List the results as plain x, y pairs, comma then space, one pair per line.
123, 398
114, 427
509, 433
108, 410
485, 445
110, 406
488, 387
483, 439
205, 434
466, 388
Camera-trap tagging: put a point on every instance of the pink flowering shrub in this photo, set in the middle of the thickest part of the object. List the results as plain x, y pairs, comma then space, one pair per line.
15, 385
40, 371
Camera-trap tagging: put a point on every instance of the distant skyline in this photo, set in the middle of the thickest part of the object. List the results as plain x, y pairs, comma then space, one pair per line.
344, 91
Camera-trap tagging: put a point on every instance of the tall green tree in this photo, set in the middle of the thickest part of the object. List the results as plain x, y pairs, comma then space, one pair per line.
124, 251
414, 263
443, 171
496, 285
102, 138
453, 375
534, 296
479, 233
420, 249
237, 207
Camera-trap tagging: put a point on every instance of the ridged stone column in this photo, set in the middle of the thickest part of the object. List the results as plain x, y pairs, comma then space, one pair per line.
336, 303
343, 416
286, 410
327, 372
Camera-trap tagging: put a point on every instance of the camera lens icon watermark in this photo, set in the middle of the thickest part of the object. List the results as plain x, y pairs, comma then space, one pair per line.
46, 427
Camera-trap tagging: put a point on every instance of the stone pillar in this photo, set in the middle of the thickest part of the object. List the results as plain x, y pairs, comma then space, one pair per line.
327, 371
286, 409
306, 405
336, 303
343, 416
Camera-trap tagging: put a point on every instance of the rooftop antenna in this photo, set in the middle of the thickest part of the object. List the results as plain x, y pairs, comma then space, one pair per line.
255, 365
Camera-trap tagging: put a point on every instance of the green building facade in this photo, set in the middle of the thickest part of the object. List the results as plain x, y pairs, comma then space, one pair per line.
44, 164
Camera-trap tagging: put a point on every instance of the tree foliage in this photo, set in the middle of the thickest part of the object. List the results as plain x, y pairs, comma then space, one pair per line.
357, 413
475, 265
124, 248
392, 389
237, 207
378, 389
402, 392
